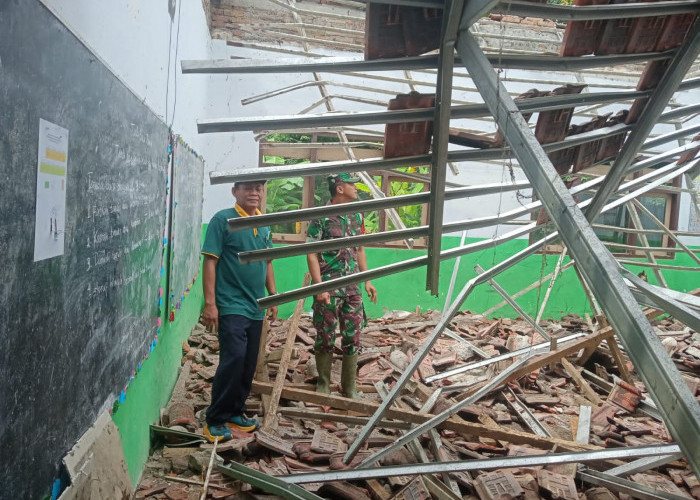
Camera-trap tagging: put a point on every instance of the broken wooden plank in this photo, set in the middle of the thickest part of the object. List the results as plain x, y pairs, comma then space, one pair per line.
541, 399
260, 368
583, 425
271, 411
583, 385
462, 427
377, 491
619, 360
398, 326
569, 348
277, 354
205, 486
346, 419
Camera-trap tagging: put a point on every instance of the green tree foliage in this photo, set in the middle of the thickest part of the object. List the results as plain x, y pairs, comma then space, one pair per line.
286, 194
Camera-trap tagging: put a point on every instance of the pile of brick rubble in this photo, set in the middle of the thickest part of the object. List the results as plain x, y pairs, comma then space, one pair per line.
312, 432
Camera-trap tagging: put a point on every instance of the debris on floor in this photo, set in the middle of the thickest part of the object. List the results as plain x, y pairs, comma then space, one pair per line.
582, 397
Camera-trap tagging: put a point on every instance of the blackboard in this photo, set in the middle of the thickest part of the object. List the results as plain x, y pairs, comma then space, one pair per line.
185, 222
73, 328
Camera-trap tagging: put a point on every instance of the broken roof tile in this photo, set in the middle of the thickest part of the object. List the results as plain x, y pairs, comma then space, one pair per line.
557, 486
498, 485
409, 138
614, 427
625, 396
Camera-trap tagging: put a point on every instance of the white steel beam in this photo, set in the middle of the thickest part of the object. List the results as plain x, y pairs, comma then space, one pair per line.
680, 409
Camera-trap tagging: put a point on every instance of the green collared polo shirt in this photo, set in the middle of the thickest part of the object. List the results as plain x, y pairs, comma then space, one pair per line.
238, 286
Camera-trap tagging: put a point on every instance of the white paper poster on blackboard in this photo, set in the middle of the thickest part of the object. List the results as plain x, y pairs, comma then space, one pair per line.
52, 167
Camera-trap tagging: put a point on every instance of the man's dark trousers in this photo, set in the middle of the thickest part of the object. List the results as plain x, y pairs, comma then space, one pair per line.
239, 340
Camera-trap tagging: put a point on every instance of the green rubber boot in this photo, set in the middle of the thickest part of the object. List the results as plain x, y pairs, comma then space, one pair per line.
324, 361
348, 376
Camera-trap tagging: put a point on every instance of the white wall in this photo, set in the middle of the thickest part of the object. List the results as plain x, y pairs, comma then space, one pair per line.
139, 42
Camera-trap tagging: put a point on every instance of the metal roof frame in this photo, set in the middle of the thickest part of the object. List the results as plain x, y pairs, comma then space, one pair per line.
598, 269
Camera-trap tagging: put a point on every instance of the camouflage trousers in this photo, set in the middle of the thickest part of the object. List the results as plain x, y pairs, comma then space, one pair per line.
347, 311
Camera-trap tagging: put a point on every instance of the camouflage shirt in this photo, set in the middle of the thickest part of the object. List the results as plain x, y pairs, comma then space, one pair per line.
341, 262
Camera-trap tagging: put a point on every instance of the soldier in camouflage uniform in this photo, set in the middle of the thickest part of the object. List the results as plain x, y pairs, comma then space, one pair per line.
344, 305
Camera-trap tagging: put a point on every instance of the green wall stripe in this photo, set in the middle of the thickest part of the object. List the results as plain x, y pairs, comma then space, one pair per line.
151, 388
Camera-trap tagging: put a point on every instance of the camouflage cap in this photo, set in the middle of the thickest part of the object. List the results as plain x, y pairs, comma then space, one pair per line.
335, 179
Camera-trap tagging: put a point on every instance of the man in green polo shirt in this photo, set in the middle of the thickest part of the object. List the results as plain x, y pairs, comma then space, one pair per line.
231, 291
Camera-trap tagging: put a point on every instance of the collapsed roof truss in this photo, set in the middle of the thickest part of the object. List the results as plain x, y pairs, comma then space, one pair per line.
599, 271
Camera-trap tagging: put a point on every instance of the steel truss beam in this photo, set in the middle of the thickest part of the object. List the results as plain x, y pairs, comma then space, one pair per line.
631, 488
374, 238
535, 349
569, 221
643, 464
557, 270
246, 124
588, 13
671, 136
666, 230
679, 408
686, 110
444, 415
435, 4
681, 112
344, 65
657, 178
514, 305
692, 234
637, 223
532, 286
449, 314
669, 304
521, 410
659, 266
265, 482
397, 267
480, 464
653, 109
454, 252
441, 131
367, 205
335, 167
366, 179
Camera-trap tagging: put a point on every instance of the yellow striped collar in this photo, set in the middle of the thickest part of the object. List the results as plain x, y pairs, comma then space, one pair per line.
243, 213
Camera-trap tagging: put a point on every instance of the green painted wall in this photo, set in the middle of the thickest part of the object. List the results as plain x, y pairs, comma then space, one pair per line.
406, 291
150, 389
